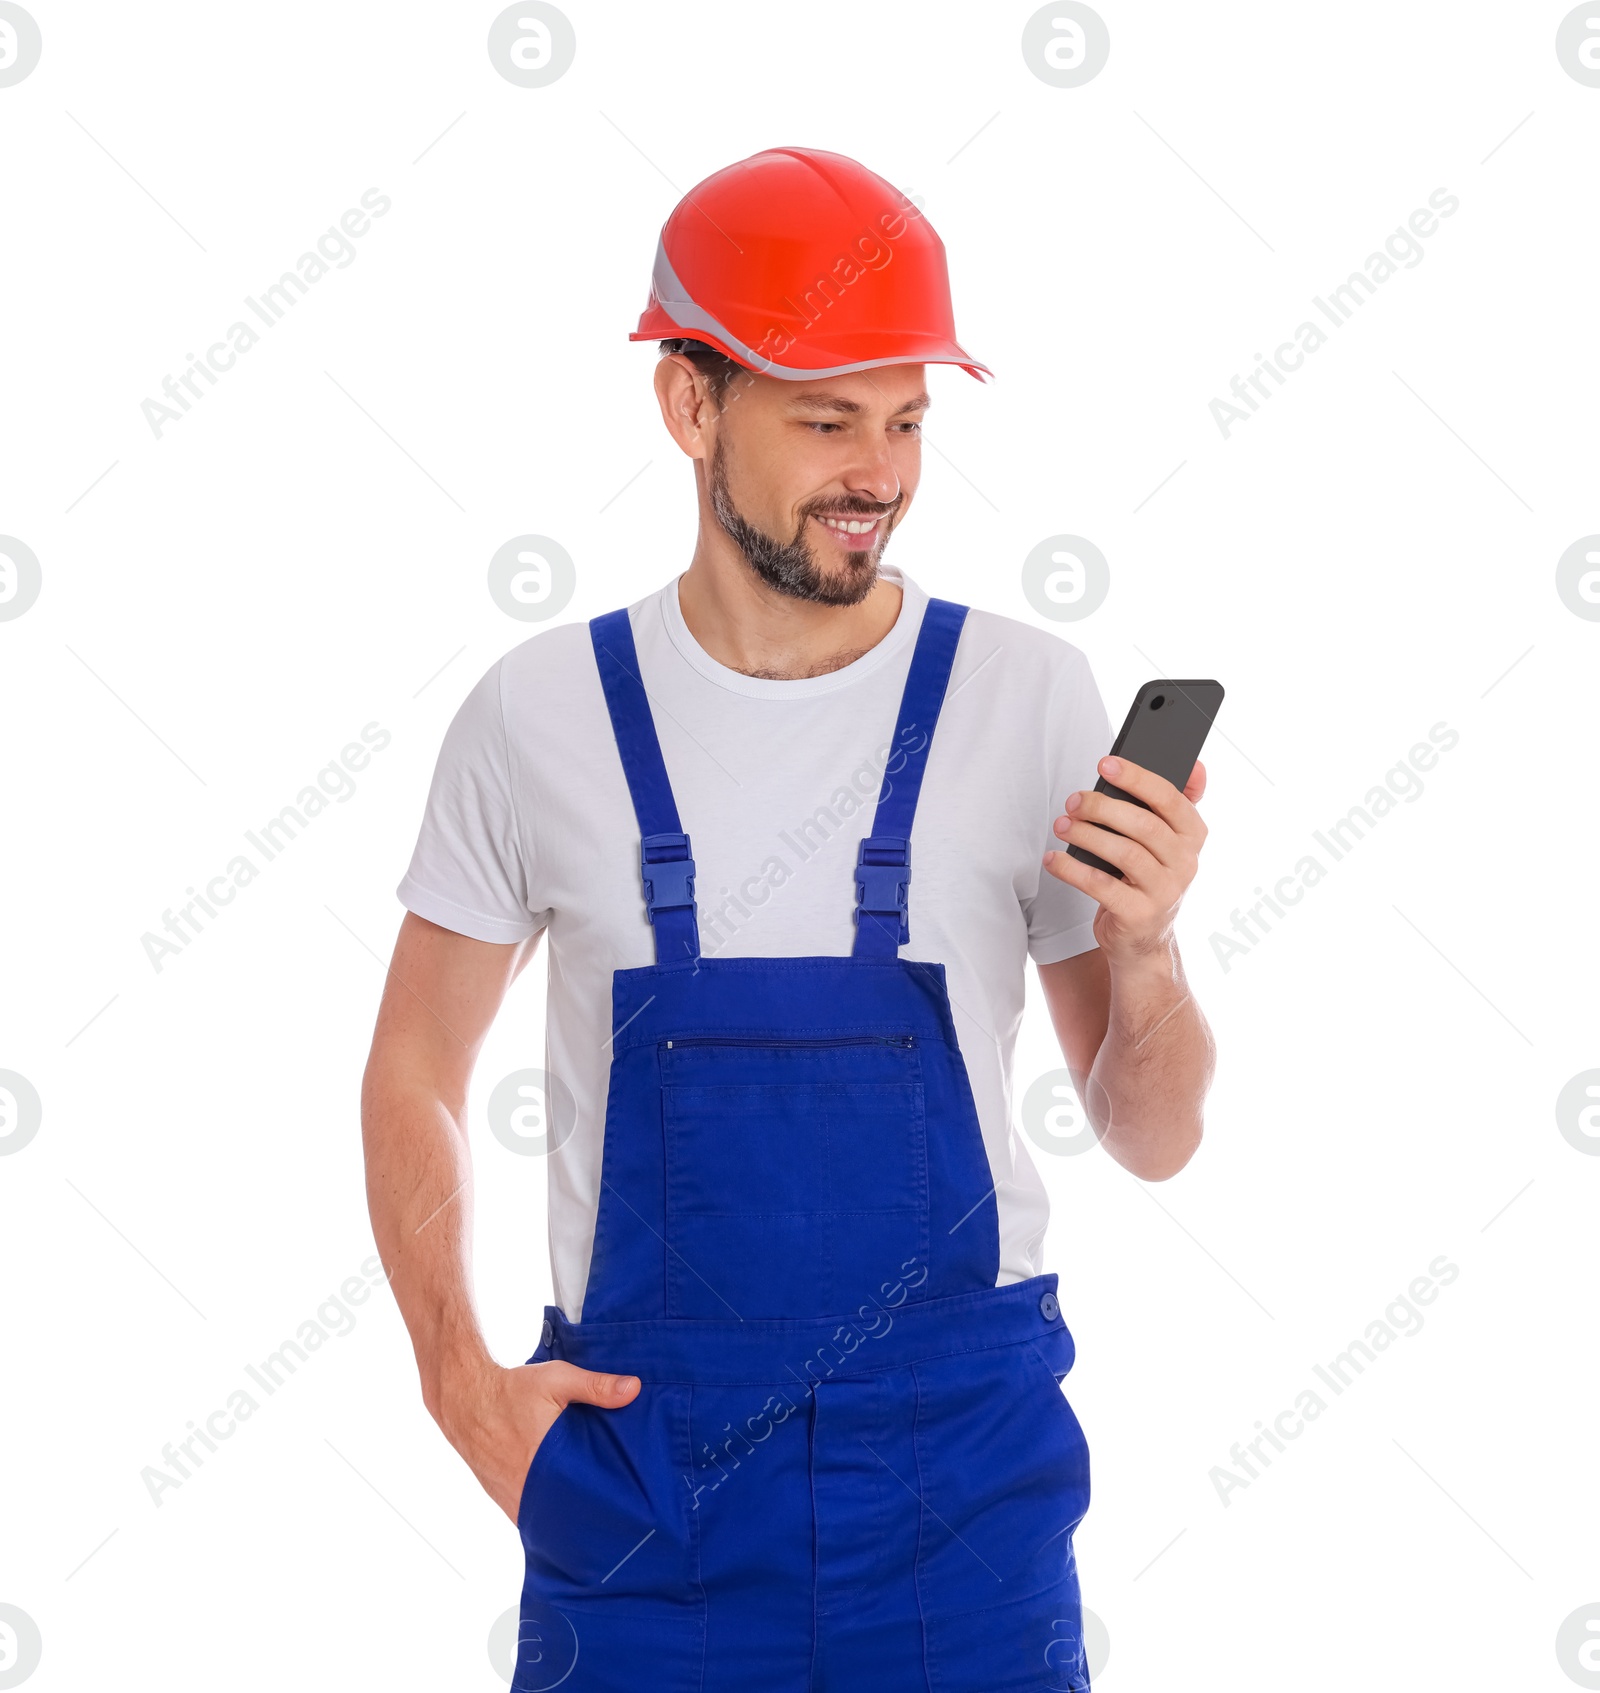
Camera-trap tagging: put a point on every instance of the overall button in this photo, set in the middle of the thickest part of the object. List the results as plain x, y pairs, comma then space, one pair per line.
1049, 1306
549, 1332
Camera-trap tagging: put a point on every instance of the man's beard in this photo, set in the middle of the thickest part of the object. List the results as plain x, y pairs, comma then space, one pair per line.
791, 567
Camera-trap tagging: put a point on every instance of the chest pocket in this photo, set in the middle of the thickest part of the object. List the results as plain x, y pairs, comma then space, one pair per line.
796, 1172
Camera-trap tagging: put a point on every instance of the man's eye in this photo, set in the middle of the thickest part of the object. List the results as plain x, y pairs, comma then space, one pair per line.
911, 428
825, 428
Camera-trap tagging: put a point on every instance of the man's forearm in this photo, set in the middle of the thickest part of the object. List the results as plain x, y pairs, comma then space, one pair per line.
419, 1193
1148, 1084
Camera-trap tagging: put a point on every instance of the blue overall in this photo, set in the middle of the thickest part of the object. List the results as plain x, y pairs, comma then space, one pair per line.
850, 1464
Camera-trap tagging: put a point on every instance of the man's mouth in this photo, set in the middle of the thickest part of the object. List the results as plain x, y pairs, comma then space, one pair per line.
855, 534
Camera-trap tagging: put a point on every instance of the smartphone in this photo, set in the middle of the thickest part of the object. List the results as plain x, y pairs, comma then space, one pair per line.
1164, 731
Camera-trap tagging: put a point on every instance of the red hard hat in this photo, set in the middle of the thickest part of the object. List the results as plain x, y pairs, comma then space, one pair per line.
797, 264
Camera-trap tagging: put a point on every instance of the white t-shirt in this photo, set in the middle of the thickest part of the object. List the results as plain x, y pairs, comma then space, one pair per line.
529, 827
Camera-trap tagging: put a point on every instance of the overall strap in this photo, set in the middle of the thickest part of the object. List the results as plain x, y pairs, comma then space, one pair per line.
665, 859
883, 865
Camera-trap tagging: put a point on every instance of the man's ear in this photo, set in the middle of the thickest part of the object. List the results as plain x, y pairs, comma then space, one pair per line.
687, 408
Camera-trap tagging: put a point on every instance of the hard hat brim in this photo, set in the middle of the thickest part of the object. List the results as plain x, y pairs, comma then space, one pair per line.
917, 349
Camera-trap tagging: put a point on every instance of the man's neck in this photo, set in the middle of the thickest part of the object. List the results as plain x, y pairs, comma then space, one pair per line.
751, 627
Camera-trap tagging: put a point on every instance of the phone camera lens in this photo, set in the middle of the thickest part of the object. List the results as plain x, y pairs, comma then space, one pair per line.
1157, 701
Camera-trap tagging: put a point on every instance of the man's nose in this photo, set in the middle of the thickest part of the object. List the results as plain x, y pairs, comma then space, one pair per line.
875, 477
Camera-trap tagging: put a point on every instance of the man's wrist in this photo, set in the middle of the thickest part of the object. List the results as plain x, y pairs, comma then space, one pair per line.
1146, 969
453, 1382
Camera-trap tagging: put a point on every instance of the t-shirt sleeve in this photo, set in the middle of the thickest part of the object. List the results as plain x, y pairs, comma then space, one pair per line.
1060, 917
469, 871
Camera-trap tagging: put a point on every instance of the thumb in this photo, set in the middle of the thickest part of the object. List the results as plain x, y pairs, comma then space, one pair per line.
595, 1387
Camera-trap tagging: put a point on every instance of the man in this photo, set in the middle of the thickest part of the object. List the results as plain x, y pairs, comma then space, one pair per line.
795, 1419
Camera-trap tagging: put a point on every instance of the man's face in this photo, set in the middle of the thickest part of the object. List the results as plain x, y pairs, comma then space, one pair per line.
809, 478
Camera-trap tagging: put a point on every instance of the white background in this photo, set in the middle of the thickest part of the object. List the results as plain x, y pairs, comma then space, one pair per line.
306, 551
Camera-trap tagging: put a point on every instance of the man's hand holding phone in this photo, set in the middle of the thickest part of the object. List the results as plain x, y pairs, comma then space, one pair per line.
1133, 842
1157, 850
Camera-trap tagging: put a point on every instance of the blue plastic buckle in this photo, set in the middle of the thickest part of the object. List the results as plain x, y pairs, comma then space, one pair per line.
883, 868
668, 871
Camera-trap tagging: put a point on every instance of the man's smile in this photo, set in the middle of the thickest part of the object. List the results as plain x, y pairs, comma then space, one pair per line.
856, 534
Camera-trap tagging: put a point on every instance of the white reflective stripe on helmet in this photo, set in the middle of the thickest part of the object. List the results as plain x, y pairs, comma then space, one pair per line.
674, 298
